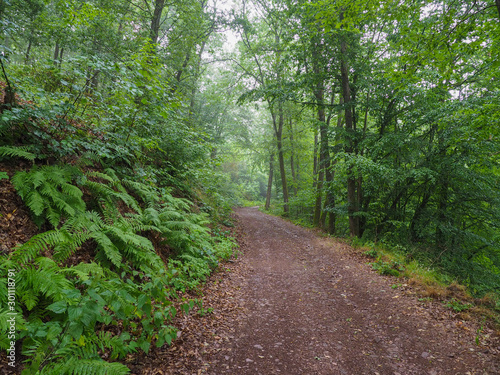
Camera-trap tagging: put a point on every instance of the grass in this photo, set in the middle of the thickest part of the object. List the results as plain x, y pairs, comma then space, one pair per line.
429, 283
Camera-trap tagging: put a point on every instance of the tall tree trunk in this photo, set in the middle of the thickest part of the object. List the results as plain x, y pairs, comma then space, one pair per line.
352, 203
292, 161
270, 181
319, 196
197, 74
414, 230
278, 129
315, 160
317, 182
442, 195
324, 153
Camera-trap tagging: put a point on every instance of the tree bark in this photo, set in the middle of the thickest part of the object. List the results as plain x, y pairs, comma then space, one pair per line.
317, 182
270, 181
156, 20
278, 129
27, 55
292, 162
56, 51
352, 202
415, 235
61, 56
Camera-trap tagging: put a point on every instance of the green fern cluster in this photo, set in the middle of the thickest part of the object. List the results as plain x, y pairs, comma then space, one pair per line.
66, 311
65, 314
49, 193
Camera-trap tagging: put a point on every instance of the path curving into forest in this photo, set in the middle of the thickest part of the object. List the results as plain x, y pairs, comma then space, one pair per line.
311, 307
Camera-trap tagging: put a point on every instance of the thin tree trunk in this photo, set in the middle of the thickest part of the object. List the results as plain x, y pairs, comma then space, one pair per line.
442, 195
27, 55
414, 233
195, 88
292, 163
281, 158
324, 154
315, 160
61, 56
56, 51
319, 198
270, 181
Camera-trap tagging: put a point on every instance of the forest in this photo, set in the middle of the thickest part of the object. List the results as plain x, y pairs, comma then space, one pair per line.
129, 129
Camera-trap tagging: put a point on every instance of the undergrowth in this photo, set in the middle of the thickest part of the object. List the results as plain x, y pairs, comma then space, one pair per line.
115, 245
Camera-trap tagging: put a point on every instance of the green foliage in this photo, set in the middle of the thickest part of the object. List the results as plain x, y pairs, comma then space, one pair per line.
108, 109
372, 253
68, 308
16, 152
393, 268
457, 306
49, 194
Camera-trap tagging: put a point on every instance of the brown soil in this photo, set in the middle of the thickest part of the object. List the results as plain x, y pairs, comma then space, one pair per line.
16, 226
309, 305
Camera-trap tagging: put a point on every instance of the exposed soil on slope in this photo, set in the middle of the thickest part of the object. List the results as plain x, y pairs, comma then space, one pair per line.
298, 303
16, 226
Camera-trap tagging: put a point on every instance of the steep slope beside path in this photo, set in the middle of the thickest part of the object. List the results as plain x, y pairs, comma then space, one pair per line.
310, 308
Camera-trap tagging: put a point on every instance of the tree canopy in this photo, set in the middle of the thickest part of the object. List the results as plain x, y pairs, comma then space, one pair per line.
129, 128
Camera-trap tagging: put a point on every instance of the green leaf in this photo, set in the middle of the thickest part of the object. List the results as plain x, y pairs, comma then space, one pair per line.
58, 307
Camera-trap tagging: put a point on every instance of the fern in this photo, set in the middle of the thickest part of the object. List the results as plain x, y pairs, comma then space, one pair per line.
147, 193
88, 158
43, 280
75, 366
109, 194
16, 152
126, 283
49, 194
31, 249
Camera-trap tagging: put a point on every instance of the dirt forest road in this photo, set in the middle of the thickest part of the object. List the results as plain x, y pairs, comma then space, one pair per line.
311, 307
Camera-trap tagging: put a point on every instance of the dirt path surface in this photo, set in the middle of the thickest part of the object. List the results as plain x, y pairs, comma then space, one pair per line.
306, 305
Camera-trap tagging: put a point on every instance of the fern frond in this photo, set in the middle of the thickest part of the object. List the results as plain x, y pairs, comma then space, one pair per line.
114, 343
88, 158
106, 193
49, 194
35, 202
145, 192
177, 203
16, 152
35, 245
109, 249
49, 280
102, 176
72, 241
84, 270
75, 366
